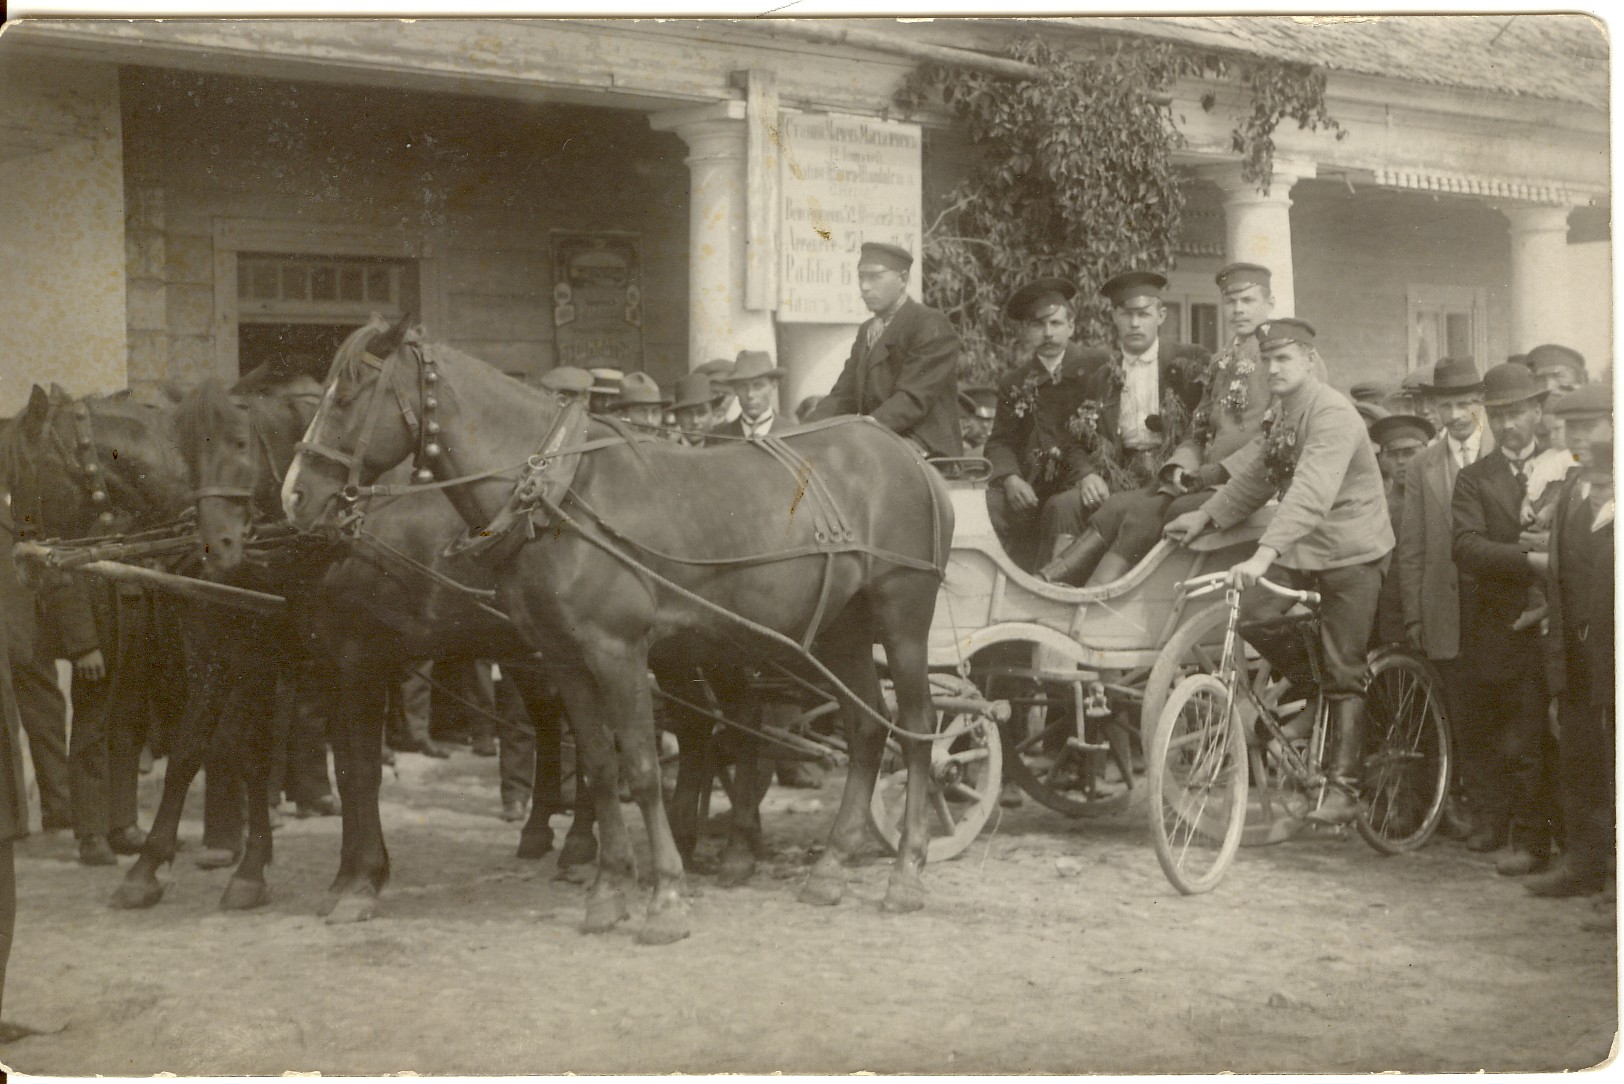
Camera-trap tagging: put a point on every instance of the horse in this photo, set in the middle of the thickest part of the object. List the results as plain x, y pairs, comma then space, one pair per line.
630, 548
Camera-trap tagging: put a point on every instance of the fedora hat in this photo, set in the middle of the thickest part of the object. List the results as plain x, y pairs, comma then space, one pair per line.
751, 364
693, 389
1511, 383
639, 389
1452, 375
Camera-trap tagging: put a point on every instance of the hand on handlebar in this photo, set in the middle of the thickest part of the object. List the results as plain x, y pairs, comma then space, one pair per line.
1249, 571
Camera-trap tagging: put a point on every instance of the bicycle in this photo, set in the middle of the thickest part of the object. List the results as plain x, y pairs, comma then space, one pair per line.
1250, 739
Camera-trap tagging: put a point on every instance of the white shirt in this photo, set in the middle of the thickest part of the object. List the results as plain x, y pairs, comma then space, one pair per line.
757, 427
1464, 452
1053, 369
1141, 397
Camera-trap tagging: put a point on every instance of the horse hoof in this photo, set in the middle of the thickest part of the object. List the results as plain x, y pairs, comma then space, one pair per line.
136, 895
666, 928
604, 913
735, 871
244, 895
325, 907
903, 896
535, 844
356, 908
822, 891
579, 850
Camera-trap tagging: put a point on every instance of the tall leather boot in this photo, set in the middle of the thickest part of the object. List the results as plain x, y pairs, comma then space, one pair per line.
1074, 564
1341, 805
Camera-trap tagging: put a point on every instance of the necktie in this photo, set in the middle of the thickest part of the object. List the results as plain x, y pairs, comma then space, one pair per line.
876, 328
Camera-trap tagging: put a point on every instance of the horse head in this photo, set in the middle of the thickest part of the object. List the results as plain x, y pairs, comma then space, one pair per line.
361, 428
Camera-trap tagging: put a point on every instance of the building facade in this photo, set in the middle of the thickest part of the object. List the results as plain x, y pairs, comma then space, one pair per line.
191, 198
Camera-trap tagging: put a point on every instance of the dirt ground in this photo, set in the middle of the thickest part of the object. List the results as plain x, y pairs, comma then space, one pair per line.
1311, 956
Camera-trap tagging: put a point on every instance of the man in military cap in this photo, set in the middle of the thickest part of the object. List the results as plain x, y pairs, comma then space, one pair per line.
1229, 416
1498, 565
640, 401
754, 383
1559, 369
978, 409
1033, 453
903, 368
691, 404
1369, 391
605, 388
1398, 438
1329, 534
566, 383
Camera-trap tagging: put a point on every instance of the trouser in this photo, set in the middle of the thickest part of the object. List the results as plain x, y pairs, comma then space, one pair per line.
1131, 523
1347, 610
410, 701
1472, 762
224, 811
299, 757
516, 737
1508, 723
103, 759
44, 718
1585, 767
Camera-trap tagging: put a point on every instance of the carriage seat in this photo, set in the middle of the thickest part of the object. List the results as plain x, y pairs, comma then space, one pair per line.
1246, 532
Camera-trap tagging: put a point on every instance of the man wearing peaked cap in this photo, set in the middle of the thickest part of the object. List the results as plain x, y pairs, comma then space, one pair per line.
1035, 458
1330, 532
1398, 438
567, 382
1370, 391
1587, 416
1559, 369
754, 382
1499, 564
903, 367
605, 388
978, 409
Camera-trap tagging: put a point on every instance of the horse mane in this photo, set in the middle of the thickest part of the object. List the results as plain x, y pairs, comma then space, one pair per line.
208, 409
348, 358
15, 456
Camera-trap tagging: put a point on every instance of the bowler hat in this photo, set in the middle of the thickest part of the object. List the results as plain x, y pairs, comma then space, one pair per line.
639, 389
1454, 375
1394, 426
751, 364
1509, 383
693, 389
1038, 297
1594, 399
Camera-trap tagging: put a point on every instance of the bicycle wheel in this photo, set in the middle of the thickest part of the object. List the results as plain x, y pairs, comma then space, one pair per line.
1197, 782
1404, 781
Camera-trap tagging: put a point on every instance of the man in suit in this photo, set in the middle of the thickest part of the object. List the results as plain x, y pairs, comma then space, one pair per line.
1329, 534
1429, 588
1399, 438
1128, 524
903, 368
1579, 648
693, 397
1034, 456
1137, 405
754, 383
1497, 566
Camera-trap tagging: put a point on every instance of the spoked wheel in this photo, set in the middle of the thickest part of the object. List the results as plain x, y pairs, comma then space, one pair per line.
966, 772
1041, 754
1193, 648
1404, 782
1198, 784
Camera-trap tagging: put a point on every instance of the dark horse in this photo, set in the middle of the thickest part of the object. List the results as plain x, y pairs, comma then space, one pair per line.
376, 607
839, 542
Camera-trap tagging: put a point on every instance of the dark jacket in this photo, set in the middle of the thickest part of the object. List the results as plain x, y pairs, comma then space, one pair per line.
908, 382
735, 428
1494, 570
1181, 379
1579, 593
1030, 437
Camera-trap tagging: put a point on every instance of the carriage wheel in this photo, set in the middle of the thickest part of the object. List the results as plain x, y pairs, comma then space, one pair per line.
966, 772
1197, 778
1043, 701
1405, 777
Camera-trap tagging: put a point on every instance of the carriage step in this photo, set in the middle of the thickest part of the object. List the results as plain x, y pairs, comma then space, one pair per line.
1081, 746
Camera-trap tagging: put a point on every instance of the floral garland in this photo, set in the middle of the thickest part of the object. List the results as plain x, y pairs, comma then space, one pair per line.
1025, 398
1105, 456
1279, 452
1045, 464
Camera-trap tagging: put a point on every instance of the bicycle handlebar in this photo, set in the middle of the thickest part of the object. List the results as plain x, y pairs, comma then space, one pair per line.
1213, 581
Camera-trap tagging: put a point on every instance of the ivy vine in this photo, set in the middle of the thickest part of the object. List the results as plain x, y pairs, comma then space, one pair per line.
1075, 174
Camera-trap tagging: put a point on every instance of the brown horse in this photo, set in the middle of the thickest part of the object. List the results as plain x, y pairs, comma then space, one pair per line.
654, 548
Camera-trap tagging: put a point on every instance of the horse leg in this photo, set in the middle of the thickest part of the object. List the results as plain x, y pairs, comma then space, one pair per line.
752, 774
901, 613
625, 682
581, 841
141, 887
696, 767
848, 652
364, 861
253, 702
546, 798
596, 769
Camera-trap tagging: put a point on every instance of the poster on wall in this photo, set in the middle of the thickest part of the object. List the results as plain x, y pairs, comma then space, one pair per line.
598, 300
844, 180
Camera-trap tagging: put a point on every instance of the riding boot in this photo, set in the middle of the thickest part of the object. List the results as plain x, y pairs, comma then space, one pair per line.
1341, 803
1113, 566
1074, 564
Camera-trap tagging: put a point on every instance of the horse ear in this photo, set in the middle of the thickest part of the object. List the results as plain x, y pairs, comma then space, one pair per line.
387, 342
36, 414
59, 394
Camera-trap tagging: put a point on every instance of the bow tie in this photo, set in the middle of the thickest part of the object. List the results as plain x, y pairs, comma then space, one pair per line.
1137, 359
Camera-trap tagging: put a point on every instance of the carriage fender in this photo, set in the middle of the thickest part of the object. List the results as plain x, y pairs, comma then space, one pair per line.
1057, 642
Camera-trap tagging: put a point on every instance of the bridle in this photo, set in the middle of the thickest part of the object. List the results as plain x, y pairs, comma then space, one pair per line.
82, 462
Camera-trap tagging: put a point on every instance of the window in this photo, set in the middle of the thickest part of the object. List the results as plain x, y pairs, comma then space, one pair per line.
316, 287
1192, 307
1446, 322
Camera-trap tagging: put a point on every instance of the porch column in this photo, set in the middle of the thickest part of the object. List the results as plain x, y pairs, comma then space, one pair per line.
1257, 225
1540, 297
719, 325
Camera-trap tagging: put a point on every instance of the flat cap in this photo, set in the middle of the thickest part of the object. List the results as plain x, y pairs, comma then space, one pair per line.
1123, 288
1285, 330
567, 379
1552, 356
1038, 298
606, 381
1238, 276
894, 257
1586, 399
980, 401
1369, 391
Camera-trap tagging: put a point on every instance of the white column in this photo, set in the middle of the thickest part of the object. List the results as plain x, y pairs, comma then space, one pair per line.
1540, 301
719, 325
1257, 225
